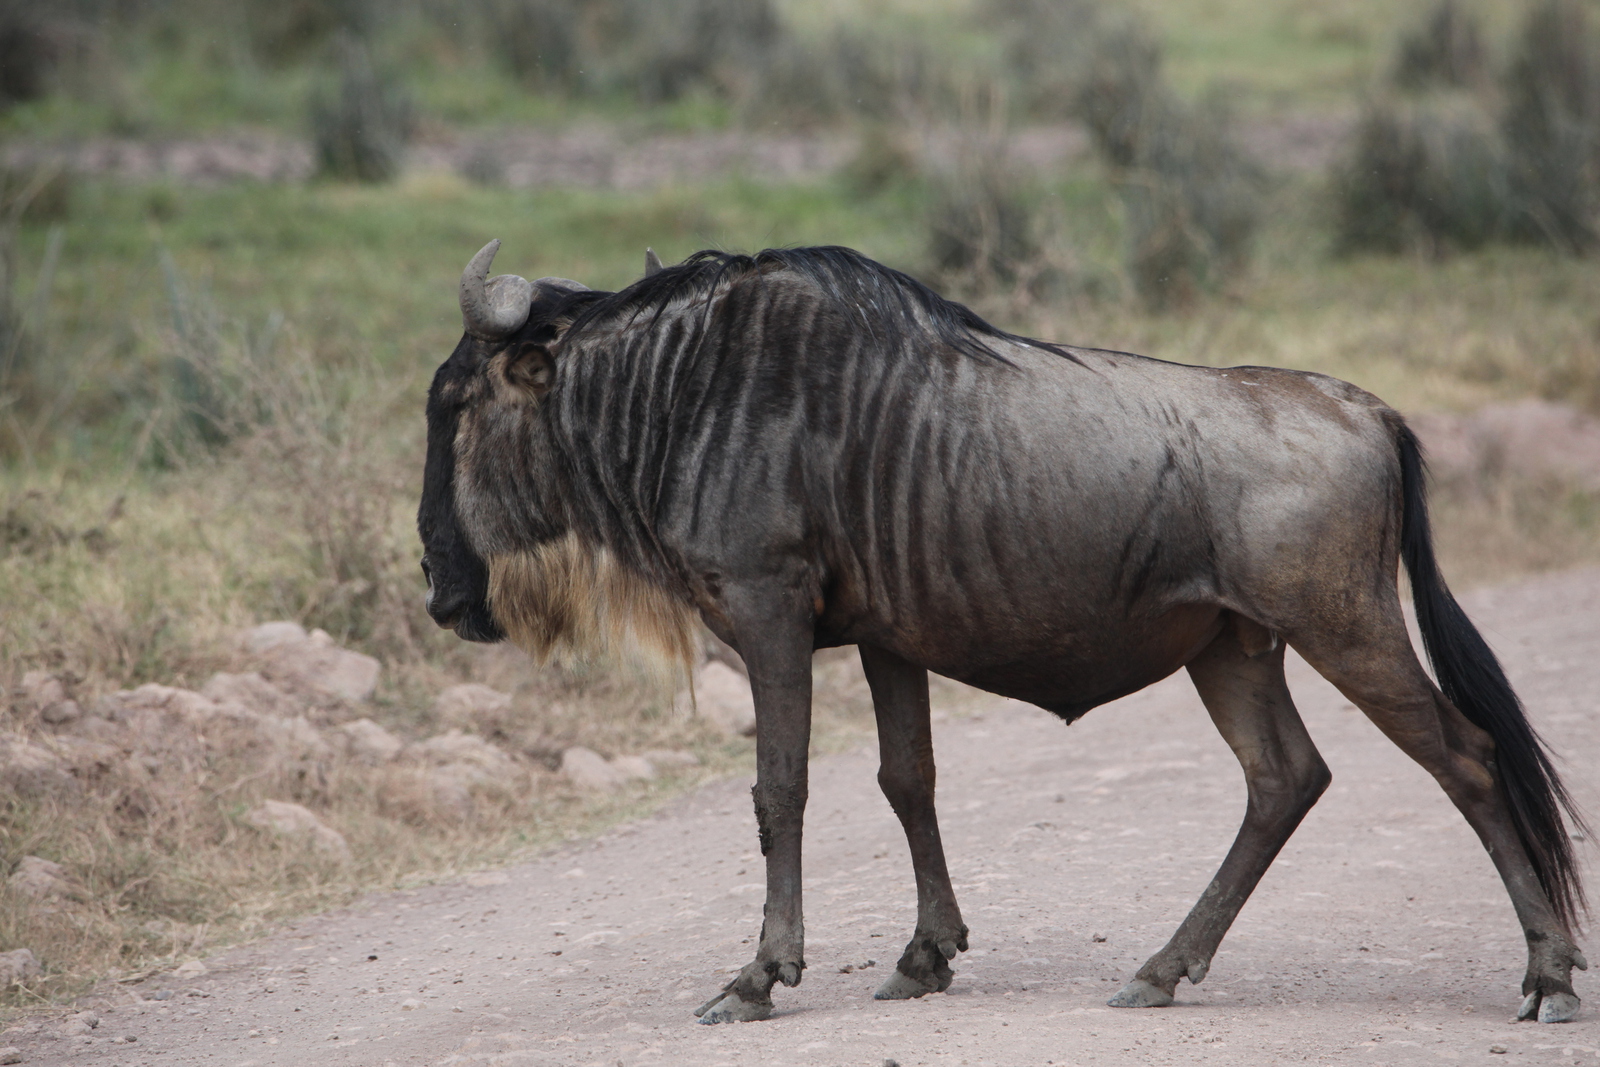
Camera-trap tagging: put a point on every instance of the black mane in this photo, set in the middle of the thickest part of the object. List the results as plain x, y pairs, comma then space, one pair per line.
884, 301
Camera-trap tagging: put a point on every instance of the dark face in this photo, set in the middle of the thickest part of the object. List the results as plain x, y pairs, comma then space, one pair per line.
479, 374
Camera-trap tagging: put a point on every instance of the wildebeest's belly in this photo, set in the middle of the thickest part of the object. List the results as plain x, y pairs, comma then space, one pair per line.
1067, 665
1071, 676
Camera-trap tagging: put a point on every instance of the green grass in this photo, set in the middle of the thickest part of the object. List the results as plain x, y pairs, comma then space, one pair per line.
366, 276
1270, 54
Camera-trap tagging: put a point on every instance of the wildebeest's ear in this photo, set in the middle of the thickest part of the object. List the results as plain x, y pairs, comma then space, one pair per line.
530, 369
652, 262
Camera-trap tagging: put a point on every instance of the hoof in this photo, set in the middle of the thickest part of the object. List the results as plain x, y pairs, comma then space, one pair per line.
1558, 1008
1140, 994
898, 987
732, 1008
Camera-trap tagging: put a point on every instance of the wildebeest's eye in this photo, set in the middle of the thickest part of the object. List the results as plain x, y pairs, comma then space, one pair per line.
529, 369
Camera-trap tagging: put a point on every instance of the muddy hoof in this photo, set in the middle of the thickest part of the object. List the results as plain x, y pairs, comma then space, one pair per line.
1558, 1008
898, 987
1140, 994
732, 1008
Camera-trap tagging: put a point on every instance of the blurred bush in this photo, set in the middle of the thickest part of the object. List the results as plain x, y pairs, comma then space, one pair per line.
985, 222
536, 40
1191, 194
1552, 128
653, 50
1429, 175
26, 55
1445, 50
282, 32
360, 126
1044, 44
1447, 170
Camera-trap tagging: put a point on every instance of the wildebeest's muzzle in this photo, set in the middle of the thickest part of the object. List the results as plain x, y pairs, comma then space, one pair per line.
461, 603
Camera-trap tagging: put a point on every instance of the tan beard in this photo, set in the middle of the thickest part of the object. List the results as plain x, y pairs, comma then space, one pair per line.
568, 597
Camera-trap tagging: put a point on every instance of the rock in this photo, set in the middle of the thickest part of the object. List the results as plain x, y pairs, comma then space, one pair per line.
194, 968
18, 965
475, 707
449, 794
311, 664
410, 1004
292, 820
250, 690
426, 795
41, 879
367, 742
63, 713
295, 738
271, 635
319, 668
455, 764
84, 759
32, 771
588, 770
671, 759
10, 1054
633, 767
464, 750
190, 707
722, 697
45, 696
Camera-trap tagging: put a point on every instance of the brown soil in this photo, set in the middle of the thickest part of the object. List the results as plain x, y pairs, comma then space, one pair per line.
1380, 936
606, 158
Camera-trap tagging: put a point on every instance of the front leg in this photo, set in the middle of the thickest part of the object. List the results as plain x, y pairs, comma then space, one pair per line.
906, 775
774, 634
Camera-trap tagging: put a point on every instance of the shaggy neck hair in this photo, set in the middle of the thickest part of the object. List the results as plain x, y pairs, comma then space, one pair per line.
650, 385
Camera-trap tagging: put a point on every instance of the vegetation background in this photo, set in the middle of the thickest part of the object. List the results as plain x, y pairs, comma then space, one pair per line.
211, 384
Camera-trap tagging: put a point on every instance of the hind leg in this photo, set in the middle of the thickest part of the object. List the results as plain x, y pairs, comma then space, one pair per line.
1250, 705
906, 775
1375, 667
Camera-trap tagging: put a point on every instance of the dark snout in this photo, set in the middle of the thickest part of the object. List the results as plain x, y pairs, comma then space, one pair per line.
460, 605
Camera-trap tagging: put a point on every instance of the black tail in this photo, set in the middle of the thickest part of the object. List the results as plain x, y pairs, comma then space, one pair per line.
1472, 679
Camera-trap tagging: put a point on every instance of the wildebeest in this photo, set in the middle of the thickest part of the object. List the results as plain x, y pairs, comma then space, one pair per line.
805, 449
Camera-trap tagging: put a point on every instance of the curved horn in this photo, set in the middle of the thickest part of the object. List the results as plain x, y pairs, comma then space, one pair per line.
493, 308
563, 283
652, 262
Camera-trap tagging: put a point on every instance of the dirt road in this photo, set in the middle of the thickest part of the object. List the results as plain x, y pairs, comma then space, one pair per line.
1381, 935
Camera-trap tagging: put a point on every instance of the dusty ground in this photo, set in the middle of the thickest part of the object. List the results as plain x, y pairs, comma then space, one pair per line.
1381, 936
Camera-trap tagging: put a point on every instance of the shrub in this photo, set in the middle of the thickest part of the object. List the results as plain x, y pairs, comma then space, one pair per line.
1552, 128
1430, 174
361, 126
984, 223
1190, 193
537, 40
26, 55
1445, 50
654, 50
859, 70
285, 31
1044, 45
